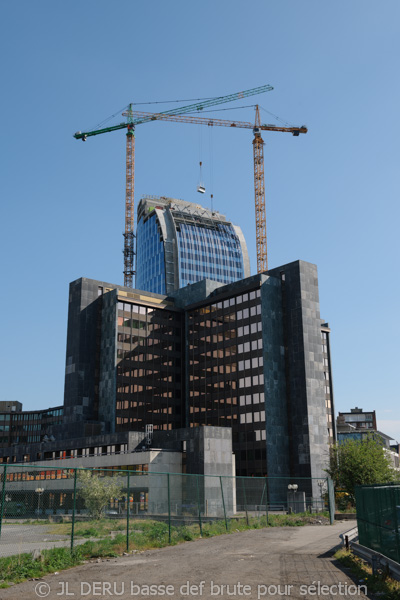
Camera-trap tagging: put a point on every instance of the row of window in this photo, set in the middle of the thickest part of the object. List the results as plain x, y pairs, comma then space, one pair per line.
253, 363
248, 382
254, 398
32, 416
75, 453
252, 417
49, 474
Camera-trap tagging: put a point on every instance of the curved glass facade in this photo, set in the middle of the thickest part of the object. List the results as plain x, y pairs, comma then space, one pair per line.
179, 243
150, 262
206, 253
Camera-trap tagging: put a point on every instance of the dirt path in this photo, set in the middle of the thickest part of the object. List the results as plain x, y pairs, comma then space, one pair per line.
254, 564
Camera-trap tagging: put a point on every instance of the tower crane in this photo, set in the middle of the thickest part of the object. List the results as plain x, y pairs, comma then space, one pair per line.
258, 155
130, 125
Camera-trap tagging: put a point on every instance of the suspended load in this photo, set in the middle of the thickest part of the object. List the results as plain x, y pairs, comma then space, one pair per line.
201, 188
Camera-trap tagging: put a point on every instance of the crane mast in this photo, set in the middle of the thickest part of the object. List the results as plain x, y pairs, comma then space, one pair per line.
129, 250
259, 192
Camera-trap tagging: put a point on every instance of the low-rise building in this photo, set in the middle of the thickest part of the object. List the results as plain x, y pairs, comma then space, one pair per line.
359, 419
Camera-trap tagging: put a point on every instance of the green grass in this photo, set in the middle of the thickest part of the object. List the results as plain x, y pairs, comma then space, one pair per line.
89, 529
19, 568
380, 584
143, 535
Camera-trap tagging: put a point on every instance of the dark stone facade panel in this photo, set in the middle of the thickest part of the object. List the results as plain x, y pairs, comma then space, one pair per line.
108, 361
306, 400
276, 418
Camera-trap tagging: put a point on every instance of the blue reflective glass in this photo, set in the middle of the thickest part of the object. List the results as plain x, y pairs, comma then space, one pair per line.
203, 253
206, 253
150, 264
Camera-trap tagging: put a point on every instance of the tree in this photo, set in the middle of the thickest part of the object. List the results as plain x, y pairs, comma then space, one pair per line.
359, 462
97, 492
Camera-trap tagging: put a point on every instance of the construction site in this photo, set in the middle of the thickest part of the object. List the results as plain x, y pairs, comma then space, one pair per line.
197, 352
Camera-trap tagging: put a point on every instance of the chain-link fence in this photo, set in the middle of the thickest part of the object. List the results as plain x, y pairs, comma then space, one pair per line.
378, 518
43, 507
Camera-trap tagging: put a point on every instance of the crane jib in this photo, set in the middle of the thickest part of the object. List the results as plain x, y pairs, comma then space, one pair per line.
181, 110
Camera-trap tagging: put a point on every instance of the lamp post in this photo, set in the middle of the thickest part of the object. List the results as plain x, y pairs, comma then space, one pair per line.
292, 500
322, 492
39, 491
7, 499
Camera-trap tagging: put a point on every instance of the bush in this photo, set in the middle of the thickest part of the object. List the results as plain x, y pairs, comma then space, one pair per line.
97, 492
359, 462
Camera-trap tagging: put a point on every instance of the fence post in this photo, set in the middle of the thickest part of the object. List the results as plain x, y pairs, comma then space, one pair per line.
266, 498
331, 500
396, 521
198, 504
73, 512
223, 502
245, 501
169, 510
128, 507
3, 496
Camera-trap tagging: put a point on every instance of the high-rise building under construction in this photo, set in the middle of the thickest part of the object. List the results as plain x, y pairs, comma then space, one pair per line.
180, 243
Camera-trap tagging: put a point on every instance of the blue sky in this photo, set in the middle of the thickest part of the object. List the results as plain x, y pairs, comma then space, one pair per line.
331, 195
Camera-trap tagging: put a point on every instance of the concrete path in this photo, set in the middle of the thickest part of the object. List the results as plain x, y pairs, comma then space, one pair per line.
291, 562
19, 538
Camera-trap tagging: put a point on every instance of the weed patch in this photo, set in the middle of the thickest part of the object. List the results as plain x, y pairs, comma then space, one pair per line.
379, 584
18, 568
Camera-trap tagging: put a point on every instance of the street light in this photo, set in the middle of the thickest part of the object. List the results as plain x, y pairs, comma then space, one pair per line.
39, 491
322, 490
291, 497
7, 499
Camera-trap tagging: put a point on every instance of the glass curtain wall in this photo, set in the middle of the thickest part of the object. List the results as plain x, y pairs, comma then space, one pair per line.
226, 378
149, 368
208, 253
150, 259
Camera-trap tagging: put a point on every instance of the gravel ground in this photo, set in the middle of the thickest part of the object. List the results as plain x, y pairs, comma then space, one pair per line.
20, 538
266, 563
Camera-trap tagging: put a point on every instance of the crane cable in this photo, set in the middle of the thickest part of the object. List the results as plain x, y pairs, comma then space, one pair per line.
210, 139
201, 187
285, 123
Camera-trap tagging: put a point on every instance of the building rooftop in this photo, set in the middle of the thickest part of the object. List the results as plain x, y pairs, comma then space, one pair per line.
10, 406
181, 208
